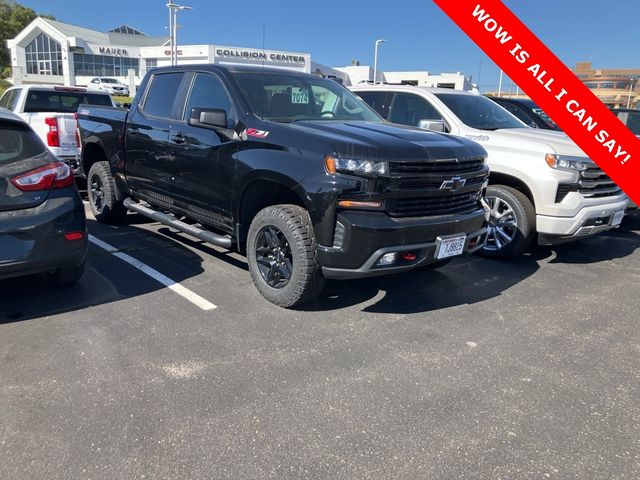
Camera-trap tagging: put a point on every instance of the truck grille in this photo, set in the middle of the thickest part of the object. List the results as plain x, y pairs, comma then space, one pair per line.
434, 205
414, 189
450, 166
595, 183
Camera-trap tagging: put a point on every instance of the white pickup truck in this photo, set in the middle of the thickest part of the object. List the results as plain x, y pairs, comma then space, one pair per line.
541, 181
50, 110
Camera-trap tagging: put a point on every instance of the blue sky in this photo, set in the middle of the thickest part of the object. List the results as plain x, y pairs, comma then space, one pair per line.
419, 35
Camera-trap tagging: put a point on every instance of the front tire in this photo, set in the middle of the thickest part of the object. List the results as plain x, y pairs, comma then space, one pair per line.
282, 256
512, 225
101, 192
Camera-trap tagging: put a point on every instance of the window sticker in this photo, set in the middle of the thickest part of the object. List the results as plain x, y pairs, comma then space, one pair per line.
299, 95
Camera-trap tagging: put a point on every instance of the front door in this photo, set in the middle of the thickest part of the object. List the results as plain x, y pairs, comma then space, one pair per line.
44, 67
202, 158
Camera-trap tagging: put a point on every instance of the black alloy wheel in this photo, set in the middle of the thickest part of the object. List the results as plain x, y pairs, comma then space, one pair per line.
273, 255
97, 192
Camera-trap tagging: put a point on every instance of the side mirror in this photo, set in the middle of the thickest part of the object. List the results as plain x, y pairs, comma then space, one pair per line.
432, 125
211, 118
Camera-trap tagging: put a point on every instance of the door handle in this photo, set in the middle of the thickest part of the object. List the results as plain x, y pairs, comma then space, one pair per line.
178, 138
133, 131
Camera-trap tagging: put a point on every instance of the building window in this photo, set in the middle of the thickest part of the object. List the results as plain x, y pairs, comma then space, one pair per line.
104, 65
151, 62
44, 56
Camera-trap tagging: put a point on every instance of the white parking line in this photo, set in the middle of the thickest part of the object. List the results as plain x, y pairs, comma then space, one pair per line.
156, 275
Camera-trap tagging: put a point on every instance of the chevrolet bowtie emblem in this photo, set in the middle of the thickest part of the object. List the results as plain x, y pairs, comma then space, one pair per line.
455, 183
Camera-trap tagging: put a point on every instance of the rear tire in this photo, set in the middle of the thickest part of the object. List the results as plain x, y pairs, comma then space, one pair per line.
512, 225
101, 191
282, 256
67, 275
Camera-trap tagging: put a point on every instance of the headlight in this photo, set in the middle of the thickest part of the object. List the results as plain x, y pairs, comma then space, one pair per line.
355, 167
574, 164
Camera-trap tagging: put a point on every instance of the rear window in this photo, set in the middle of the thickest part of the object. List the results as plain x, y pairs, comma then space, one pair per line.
18, 142
63, 102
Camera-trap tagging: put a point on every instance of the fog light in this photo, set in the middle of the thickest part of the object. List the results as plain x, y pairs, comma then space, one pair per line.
387, 259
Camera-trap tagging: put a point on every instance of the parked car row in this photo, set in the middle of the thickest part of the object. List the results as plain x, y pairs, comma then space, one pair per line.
309, 180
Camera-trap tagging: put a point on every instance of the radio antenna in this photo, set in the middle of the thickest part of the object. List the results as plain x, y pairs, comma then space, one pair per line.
264, 34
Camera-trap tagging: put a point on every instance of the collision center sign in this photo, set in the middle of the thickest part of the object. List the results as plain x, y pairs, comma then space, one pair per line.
555, 88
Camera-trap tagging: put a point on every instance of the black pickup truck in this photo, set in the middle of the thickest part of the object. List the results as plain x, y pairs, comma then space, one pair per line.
291, 169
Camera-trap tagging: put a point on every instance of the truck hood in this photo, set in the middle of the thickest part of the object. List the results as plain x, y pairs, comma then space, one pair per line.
547, 140
386, 141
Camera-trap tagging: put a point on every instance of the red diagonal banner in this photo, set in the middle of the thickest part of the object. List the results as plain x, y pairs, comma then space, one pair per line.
555, 88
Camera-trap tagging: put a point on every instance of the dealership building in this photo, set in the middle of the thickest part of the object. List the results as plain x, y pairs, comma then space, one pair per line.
52, 52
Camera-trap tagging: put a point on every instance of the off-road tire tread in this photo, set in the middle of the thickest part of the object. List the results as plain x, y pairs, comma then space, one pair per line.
304, 286
67, 275
113, 212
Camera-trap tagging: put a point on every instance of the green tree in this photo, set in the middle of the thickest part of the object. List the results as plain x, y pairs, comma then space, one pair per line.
13, 18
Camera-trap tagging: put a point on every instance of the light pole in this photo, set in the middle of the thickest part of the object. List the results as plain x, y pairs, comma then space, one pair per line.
500, 84
173, 28
631, 83
375, 60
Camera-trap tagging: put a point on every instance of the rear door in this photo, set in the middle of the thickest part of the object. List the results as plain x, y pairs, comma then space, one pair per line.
149, 168
202, 165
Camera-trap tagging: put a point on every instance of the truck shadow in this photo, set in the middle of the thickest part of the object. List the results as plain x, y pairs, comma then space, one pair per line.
472, 279
465, 281
106, 278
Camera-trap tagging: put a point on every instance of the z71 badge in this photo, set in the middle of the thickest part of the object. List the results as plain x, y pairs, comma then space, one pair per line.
254, 132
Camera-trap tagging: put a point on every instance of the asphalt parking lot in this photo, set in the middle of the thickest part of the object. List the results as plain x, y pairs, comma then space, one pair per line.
484, 369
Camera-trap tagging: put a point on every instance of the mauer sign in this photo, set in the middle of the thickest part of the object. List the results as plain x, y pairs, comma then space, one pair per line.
259, 55
555, 88
115, 52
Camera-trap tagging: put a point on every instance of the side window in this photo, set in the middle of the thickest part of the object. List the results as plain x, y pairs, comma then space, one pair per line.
6, 99
409, 109
162, 94
379, 101
517, 112
208, 92
10, 99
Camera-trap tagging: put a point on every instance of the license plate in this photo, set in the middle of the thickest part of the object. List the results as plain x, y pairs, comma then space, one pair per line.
451, 247
617, 218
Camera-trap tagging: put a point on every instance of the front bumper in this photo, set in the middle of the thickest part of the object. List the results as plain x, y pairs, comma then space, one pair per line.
32, 240
362, 238
588, 221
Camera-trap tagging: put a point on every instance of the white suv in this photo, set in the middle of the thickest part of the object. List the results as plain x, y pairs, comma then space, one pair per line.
540, 181
110, 85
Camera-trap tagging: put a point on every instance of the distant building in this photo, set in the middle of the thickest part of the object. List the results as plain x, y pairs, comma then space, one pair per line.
47, 51
355, 74
616, 88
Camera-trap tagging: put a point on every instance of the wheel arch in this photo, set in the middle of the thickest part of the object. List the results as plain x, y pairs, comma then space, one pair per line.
496, 178
263, 192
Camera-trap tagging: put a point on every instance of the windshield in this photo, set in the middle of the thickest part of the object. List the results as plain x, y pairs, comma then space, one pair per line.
282, 97
62, 102
479, 112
